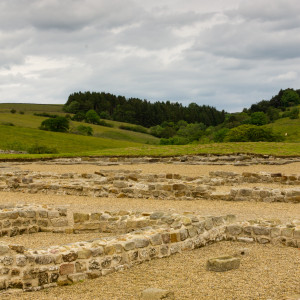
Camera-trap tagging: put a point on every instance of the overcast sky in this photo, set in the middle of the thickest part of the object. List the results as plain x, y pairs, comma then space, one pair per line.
224, 53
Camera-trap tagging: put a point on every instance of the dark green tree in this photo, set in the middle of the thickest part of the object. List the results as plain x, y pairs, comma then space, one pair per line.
58, 124
92, 117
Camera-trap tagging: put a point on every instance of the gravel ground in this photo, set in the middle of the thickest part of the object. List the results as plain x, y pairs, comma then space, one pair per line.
188, 170
268, 272
46, 239
243, 210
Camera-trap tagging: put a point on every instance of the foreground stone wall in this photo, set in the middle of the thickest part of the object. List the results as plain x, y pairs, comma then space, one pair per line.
24, 219
149, 236
60, 265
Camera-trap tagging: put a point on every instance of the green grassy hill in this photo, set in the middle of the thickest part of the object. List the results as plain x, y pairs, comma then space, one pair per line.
114, 141
288, 128
29, 121
21, 138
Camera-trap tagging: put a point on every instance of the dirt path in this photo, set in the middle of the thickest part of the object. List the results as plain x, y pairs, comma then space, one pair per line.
188, 170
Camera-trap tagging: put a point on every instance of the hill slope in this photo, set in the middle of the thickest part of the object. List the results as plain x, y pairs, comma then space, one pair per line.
29, 120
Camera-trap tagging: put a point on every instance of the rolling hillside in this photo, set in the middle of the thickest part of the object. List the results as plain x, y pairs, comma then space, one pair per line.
26, 125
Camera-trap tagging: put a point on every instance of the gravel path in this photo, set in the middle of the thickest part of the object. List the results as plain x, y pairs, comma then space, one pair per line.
188, 170
268, 272
46, 239
243, 210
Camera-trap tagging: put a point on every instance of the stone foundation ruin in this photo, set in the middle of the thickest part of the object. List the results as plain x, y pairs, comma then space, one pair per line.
138, 236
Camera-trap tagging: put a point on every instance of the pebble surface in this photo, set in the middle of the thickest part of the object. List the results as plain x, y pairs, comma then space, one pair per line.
268, 272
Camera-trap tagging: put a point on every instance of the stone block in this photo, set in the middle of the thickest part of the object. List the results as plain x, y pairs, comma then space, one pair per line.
59, 222
234, 229
260, 230
66, 269
3, 249
223, 263
156, 294
80, 217
78, 277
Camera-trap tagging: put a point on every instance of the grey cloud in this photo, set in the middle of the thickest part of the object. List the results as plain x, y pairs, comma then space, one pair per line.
160, 50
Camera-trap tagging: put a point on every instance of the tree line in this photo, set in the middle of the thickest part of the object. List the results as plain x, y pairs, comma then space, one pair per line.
140, 112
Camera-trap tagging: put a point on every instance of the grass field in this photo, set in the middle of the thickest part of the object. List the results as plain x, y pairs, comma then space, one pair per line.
265, 148
29, 120
114, 141
27, 107
286, 125
21, 138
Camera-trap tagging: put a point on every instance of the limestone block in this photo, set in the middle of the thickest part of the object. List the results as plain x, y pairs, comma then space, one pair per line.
179, 187
66, 269
3, 248
141, 242
53, 214
260, 230
223, 263
156, 239
80, 217
234, 229
59, 222
156, 215
78, 277
156, 294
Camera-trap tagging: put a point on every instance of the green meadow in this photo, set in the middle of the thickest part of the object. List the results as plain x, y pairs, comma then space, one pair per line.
113, 141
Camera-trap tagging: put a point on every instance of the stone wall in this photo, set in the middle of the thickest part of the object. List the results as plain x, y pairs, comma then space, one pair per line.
147, 236
121, 183
264, 232
236, 159
66, 264
124, 221
24, 219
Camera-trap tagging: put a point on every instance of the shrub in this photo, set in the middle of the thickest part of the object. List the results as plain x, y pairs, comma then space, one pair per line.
13, 111
84, 130
219, 135
40, 149
176, 140
21, 112
137, 128
92, 117
251, 133
80, 116
258, 118
58, 124
294, 113
191, 132
103, 123
44, 114
7, 124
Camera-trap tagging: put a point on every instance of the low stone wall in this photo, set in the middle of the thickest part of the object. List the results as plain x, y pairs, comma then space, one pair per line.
60, 265
24, 219
250, 177
149, 236
120, 184
201, 159
264, 232
259, 195
124, 221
